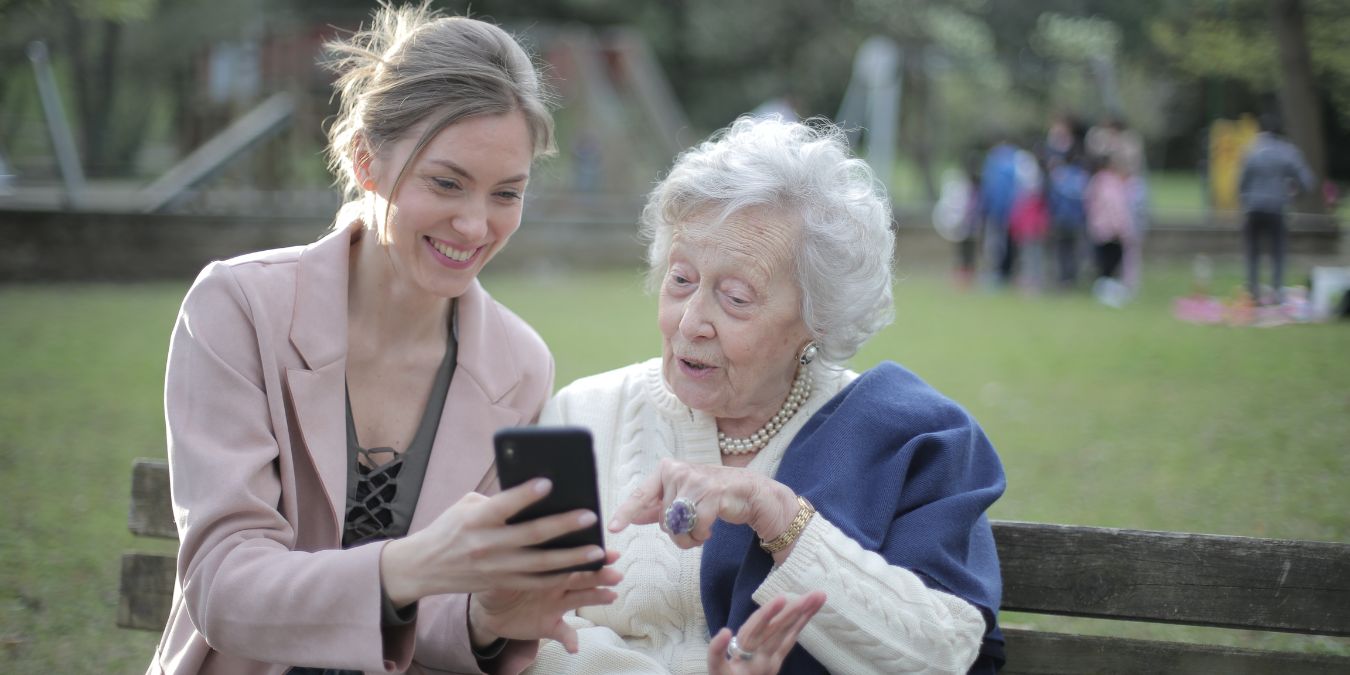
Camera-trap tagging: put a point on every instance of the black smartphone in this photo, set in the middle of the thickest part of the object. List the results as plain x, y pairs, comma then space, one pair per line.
564, 456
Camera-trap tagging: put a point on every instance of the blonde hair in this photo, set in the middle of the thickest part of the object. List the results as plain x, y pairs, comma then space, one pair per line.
414, 65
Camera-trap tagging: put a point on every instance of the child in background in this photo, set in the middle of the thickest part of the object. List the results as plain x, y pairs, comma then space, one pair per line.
998, 193
1068, 217
957, 214
1110, 225
970, 217
1030, 222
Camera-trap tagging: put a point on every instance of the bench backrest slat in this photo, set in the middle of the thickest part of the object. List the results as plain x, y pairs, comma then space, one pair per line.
1055, 653
151, 512
146, 593
1170, 577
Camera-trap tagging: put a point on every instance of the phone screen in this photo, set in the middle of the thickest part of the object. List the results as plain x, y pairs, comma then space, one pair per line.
564, 456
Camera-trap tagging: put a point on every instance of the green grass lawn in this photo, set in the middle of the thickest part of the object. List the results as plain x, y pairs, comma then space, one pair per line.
1123, 418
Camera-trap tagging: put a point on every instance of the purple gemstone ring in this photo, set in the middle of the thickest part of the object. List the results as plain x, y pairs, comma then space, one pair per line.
680, 517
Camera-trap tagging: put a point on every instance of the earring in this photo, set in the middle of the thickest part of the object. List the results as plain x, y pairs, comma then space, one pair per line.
368, 184
808, 353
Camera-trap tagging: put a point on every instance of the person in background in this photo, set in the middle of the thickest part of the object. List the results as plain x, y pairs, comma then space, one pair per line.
1061, 138
1273, 172
1029, 222
330, 407
956, 217
967, 252
1068, 182
777, 511
998, 193
1114, 143
1110, 226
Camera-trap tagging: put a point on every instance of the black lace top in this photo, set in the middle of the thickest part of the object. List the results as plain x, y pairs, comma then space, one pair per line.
383, 486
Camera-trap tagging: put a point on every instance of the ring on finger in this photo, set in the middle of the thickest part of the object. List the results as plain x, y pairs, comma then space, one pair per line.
680, 517
734, 651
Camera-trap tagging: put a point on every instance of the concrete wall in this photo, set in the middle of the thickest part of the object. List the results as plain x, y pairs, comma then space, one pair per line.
58, 246
62, 246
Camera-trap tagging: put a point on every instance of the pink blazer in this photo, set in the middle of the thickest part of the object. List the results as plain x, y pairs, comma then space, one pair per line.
257, 457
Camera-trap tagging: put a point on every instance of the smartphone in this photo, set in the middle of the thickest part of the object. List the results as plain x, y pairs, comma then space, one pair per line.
564, 456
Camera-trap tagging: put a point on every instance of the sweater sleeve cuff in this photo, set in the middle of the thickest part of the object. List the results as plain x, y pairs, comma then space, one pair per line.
797, 574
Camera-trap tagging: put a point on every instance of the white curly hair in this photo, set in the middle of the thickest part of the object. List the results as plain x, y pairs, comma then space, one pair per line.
804, 171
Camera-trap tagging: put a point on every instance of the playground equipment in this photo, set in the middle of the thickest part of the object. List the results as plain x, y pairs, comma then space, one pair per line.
63, 144
619, 125
268, 118
873, 98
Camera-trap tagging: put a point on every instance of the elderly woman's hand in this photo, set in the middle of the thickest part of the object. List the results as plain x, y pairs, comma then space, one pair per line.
732, 494
765, 639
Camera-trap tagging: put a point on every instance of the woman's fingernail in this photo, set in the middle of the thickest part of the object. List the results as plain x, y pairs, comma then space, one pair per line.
586, 518
614, 525
543, 485
596, 554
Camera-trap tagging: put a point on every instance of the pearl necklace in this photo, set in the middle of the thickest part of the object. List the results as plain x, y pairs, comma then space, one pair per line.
801, 389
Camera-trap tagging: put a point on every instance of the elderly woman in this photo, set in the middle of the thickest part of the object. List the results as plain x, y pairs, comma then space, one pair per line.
748, 471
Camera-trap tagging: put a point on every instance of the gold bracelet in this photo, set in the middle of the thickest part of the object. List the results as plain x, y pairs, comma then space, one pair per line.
794, 529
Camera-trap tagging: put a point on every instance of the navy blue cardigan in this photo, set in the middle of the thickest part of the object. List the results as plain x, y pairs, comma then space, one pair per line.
905, 472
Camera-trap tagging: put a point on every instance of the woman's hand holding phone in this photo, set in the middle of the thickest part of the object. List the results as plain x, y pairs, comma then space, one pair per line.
471, 549
528, 554
529, 615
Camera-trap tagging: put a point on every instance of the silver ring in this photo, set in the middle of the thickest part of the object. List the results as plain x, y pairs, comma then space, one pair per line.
734, 651
680, 517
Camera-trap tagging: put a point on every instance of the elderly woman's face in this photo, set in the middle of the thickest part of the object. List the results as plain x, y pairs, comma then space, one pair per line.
730, 316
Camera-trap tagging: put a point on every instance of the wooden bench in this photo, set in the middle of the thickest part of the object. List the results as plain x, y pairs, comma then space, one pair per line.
1158, 577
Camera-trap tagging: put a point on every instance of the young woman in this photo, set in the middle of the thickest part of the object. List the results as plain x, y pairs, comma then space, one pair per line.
330, 408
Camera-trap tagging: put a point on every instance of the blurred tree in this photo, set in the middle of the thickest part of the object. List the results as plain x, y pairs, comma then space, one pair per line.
1297, 50
94, 30
89, 33
136, 68
126, 64
1298, 95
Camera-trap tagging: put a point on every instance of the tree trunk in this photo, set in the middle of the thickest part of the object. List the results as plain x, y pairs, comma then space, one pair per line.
917, 100
105, 91
75, 44
679, 67
93, 61
1299, 103
14, 114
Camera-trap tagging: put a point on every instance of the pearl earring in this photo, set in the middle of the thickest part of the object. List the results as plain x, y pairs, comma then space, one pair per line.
808, 353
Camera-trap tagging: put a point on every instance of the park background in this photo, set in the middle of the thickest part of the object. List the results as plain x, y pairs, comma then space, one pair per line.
1114, 417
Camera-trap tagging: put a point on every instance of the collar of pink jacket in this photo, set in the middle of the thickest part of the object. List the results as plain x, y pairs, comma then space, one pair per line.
485, 373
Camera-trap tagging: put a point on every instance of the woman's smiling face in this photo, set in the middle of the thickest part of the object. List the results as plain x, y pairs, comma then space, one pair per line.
730, 315
457, 204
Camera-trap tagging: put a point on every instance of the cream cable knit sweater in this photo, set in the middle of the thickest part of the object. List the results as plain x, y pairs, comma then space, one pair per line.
877, 619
